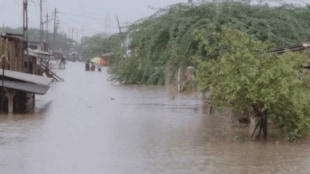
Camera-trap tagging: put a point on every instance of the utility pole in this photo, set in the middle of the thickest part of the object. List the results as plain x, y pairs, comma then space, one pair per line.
47, 28
41, 25
25, 20
118, 24
55, 29
25, 33
120, 32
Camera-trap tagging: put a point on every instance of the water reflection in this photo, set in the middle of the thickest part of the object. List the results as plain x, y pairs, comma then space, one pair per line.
88, 125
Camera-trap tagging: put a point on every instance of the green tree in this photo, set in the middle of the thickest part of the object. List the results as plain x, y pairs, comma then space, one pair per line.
165, 38
242, 75
99, 44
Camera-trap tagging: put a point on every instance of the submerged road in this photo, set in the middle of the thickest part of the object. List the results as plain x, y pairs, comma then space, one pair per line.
88, 125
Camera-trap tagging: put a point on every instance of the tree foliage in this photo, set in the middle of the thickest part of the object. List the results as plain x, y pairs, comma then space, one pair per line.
244, 76
99, 44
166, 38
228, 42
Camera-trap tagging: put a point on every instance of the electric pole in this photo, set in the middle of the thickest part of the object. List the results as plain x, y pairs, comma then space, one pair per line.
25, 31
47, 28
55, 29
41, 25
118, 24
25, 20
123, 40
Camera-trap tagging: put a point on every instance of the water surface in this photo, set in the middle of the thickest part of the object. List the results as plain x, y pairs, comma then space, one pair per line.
89, 125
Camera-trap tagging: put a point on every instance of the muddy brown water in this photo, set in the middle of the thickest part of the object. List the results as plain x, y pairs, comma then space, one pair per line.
87, 125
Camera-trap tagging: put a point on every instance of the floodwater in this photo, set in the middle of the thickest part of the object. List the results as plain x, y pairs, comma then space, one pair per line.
87, 125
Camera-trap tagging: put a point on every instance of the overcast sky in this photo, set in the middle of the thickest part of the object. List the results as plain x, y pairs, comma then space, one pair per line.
84, 17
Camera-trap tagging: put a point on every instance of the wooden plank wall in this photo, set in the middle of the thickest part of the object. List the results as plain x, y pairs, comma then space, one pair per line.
15, 54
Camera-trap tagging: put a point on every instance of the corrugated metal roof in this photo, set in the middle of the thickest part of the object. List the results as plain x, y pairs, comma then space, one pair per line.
27, 87
38, 52
13, 36
31, 78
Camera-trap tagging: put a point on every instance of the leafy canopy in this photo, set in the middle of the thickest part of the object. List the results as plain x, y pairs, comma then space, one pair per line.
244, 76
166, 38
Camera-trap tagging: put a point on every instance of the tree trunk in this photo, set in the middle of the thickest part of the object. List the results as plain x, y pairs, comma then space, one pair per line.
262, 123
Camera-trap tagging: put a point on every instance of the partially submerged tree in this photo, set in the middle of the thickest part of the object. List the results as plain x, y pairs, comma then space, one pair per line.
239, 73
232, 64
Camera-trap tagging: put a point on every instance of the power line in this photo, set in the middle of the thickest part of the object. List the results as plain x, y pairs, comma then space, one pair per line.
36, 13
80, 24
77, 15
56, 22
81, 29
71, 18
75, 20
81, 16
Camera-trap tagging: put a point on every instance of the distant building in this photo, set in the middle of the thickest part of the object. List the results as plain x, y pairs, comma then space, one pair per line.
35, 45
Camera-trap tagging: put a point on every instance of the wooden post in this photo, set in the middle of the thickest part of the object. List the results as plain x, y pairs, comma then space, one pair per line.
55, 29
41, 25
47, 29
264, 126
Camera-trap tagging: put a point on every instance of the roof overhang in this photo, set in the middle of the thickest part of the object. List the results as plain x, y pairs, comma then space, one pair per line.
37, 53
30, 78
25, 86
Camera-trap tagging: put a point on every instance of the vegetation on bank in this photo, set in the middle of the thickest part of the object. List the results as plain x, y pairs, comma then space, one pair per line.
227, 42
99, 44
166, 38
242, 75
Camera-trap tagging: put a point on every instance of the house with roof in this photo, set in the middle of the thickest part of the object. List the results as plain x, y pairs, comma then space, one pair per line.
20, 79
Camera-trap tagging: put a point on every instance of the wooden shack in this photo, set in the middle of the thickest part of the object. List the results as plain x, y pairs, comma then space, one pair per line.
19, 79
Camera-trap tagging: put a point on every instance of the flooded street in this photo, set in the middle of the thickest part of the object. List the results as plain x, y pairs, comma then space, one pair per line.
87, 125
